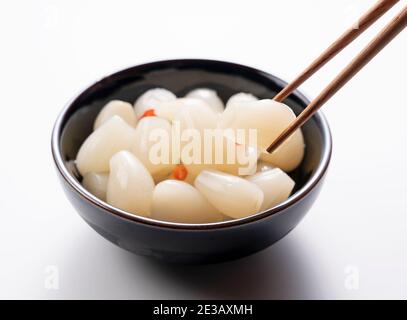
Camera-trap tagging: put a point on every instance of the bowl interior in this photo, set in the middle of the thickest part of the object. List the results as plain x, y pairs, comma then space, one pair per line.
181, 76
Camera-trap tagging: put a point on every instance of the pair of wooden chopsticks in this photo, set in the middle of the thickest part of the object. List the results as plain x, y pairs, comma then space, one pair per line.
374, 47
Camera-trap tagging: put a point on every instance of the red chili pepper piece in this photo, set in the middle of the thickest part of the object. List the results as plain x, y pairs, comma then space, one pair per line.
180, 172
148, 113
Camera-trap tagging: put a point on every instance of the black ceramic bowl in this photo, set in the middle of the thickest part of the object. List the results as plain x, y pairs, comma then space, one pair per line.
184, 243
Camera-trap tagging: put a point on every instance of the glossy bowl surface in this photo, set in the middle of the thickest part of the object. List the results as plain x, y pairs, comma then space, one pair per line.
176, 242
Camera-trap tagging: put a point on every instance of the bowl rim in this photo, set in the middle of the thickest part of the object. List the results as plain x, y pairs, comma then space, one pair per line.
279, 209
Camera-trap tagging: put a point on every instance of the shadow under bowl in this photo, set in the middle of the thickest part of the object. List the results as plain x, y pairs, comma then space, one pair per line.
176, 242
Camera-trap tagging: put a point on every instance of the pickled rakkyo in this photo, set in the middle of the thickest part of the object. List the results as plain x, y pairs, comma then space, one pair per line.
191, 124
275, 184
170, 108
198, 118
264, 166
219, 152
151, 99
268, 117
119, 108
233, 196
209, 96
239, 98
96, 183
95, 153
289, 155
203, 158
152, 146
178, 201
130, 185
206, 147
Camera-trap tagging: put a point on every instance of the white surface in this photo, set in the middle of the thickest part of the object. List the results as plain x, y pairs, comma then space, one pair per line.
50, 50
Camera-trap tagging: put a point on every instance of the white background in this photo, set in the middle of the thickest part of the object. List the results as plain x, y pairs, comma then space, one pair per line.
49, 50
